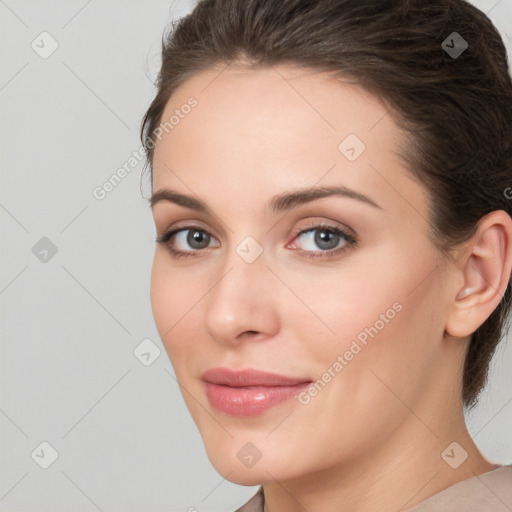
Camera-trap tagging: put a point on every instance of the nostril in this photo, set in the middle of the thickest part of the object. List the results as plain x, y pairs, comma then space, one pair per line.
249, 334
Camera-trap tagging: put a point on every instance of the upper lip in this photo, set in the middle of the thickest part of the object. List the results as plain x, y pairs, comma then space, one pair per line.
249, 377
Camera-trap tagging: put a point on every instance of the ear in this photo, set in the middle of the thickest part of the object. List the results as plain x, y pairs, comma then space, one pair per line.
483, 272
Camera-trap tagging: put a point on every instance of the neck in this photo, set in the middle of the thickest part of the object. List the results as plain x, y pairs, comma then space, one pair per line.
395, 476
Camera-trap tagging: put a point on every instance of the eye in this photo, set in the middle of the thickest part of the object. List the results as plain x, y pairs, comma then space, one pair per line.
316, 241
323, 240
186, 241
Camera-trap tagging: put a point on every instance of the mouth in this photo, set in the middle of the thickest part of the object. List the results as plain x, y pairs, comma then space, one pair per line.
249, 392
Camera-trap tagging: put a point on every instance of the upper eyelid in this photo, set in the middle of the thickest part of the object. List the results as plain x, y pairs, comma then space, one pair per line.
190, 224
314, 226
322, 220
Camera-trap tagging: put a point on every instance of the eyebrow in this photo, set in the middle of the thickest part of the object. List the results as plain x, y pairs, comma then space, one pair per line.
279, 203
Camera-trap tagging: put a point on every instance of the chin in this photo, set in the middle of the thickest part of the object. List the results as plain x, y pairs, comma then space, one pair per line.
246, 478
233, 471
229, 466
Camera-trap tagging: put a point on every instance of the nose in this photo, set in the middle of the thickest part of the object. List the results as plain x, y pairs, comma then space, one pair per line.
242, 304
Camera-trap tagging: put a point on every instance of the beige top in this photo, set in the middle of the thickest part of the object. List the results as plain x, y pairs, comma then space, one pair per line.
488, 492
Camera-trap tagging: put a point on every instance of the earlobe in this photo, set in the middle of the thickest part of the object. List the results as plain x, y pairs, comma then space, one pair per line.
485, 268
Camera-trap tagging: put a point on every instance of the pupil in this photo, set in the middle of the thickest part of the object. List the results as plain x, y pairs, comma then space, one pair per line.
197, 239
326, 239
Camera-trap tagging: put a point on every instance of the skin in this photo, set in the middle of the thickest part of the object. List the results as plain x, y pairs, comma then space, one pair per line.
372, 438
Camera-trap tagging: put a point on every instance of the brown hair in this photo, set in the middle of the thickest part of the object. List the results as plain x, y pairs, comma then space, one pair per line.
456, 109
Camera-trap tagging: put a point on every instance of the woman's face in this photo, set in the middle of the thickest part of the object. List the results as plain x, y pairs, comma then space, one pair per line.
338, 291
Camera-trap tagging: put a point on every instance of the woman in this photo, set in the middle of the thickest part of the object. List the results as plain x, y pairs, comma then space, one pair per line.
331, 189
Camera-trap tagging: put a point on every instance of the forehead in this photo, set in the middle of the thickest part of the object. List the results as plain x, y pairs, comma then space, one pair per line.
277, 127
275, 106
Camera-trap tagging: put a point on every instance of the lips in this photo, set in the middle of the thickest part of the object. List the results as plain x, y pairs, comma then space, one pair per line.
248, 377
249, 392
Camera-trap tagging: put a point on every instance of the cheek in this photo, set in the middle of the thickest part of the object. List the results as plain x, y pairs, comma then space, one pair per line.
382, 323
372, 366
172, 301
162, 297
358, 301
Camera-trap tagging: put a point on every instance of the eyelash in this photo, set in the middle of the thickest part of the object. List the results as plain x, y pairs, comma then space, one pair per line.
350, 240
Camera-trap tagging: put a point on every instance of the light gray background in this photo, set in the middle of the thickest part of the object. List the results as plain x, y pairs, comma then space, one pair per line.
69, 376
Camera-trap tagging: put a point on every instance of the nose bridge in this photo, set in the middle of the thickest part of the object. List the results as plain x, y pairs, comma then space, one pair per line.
244, 266
239, 300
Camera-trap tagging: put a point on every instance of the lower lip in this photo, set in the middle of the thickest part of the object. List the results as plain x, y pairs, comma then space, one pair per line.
252, 400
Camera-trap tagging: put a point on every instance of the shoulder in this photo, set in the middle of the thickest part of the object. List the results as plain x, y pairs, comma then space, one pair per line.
488, 492
255, 504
